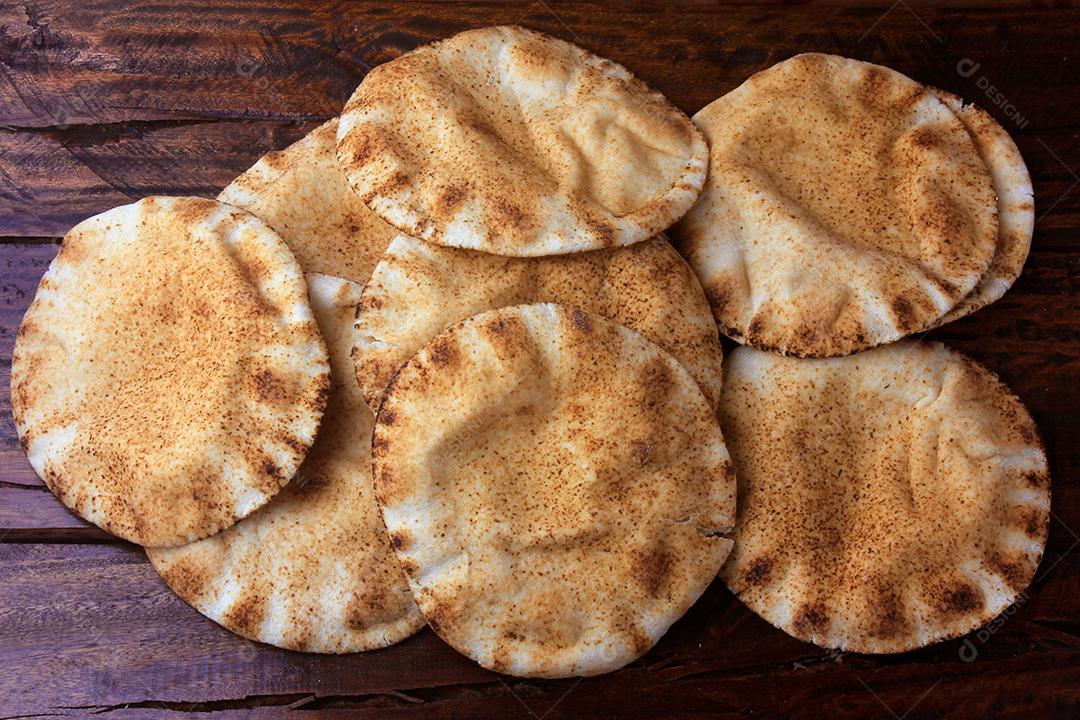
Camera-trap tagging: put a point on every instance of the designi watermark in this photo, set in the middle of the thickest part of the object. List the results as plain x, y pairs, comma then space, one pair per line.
969, 650
968, 68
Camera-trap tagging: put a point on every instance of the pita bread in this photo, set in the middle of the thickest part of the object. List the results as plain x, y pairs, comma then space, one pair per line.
509, 141
419, 288
556, 488
1015, 204
887, 500
169, 377
846, 207
302, 193
312, 570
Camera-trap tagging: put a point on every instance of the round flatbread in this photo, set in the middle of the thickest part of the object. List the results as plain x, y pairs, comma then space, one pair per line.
418, 289
301, 192
1015, 204
846, 207
509, 141
556, 487
313, 570
169, 376
887, 500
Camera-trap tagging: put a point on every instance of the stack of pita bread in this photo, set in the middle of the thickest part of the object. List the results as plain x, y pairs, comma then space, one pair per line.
436, 363
849, 206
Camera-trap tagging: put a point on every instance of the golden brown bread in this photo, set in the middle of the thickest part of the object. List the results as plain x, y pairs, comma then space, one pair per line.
513, 142
302, 193
556, 487
846, 207
418, 289
312, 570
169, 377
1015, 205
887, 500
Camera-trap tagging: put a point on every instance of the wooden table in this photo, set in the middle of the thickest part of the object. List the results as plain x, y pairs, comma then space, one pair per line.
102, 102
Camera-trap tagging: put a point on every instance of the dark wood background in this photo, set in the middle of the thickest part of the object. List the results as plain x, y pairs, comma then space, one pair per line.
105, 101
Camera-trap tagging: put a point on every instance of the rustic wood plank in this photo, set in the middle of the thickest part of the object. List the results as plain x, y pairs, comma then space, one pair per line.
98, 623
22, 266
105, 62
126, 91
49, 181
27, 510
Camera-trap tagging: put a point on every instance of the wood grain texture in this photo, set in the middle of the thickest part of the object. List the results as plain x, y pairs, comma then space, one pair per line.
117, 100
102, 102
54, 179
101, 61
98, 623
